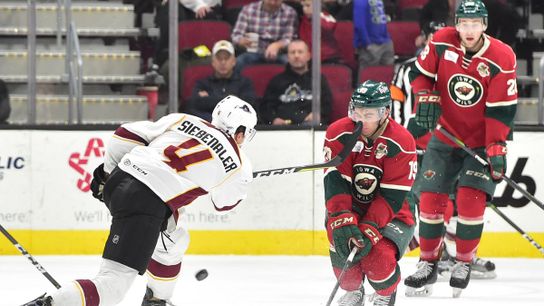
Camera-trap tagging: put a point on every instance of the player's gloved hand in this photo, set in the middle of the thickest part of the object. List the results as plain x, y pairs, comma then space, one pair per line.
496, 157
345, 234
428, 109
371, 236
97, 184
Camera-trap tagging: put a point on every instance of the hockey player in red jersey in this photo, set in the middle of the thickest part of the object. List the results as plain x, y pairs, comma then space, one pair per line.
465, 81
150, 172
365, 196
404, 113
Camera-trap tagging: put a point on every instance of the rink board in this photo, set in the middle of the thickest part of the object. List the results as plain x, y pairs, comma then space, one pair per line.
46, 204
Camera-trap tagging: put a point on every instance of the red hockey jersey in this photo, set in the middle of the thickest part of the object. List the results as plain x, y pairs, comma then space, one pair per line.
374, 179
479, 94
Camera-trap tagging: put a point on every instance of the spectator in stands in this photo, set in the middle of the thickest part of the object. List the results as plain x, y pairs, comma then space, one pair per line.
223, 82
188, 10
5, 108
371, 39
329, 45
499, 12
288, 97
264, 28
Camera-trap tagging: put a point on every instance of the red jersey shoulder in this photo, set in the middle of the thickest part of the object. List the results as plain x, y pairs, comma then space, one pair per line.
339, 127
399, 135
447, 35
500, 54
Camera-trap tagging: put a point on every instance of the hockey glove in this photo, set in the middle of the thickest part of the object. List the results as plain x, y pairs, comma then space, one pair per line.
371, 236
428, 109
345, 234
496, 157
97, 184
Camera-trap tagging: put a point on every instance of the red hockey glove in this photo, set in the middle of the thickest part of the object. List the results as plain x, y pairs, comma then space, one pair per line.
371, 237
496, 157
345, 234
428, 109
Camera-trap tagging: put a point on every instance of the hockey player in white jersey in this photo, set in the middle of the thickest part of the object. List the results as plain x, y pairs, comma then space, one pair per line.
151, 171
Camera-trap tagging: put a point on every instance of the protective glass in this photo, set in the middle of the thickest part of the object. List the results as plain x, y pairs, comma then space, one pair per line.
364, 114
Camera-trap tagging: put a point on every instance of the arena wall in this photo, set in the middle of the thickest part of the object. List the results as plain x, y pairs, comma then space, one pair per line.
46, 204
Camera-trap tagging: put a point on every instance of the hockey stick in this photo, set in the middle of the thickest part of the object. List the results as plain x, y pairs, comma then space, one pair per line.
348, 261
485, 164
32, 260
337, 160
523, 233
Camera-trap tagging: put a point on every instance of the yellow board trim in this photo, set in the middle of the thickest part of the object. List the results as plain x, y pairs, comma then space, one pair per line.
266, 242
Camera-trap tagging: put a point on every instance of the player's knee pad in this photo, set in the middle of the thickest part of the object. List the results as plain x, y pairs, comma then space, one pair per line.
113, 281
381, 261
433, 203
172, 244
381, 267
470, 202
352, 279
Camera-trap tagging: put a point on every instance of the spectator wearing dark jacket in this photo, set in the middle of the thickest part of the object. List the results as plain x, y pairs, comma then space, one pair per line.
288, 97
223, 82
5, 108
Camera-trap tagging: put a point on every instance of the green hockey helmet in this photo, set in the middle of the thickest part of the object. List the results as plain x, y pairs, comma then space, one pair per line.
370, 94
471, 9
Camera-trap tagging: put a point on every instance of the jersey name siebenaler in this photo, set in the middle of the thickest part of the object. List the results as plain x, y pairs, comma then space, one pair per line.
210, 140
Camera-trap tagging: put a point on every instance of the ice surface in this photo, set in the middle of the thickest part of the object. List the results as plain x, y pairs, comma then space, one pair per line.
270, 280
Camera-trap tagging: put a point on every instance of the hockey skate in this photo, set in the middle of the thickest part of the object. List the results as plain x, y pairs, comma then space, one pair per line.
482, 269
150, 301
445, 264
460, 276
353, 298
421, 282
380, 300
42, 300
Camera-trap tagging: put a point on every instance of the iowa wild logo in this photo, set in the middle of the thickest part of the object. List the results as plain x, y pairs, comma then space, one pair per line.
366, 181
465, 90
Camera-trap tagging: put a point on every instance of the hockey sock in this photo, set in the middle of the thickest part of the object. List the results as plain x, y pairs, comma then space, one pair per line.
381, 268
162, 279
470, 222
431, 223
352, 279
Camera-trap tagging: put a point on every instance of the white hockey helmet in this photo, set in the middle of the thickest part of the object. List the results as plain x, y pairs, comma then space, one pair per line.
231, 113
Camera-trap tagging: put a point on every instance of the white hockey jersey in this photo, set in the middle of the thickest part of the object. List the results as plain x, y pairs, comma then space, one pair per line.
181, 157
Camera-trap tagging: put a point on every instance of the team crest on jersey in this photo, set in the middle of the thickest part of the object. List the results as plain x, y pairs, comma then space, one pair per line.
366, 181
381, 150
465, 90
429, 174
483, 70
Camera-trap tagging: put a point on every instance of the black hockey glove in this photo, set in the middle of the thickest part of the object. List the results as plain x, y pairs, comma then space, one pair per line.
97, 184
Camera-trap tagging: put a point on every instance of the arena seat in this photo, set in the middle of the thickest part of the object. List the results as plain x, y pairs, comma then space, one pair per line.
339, 78
190, 75
261, 74
344, 37
235, 3
403, 4
403, 34
202, 32
377, 73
